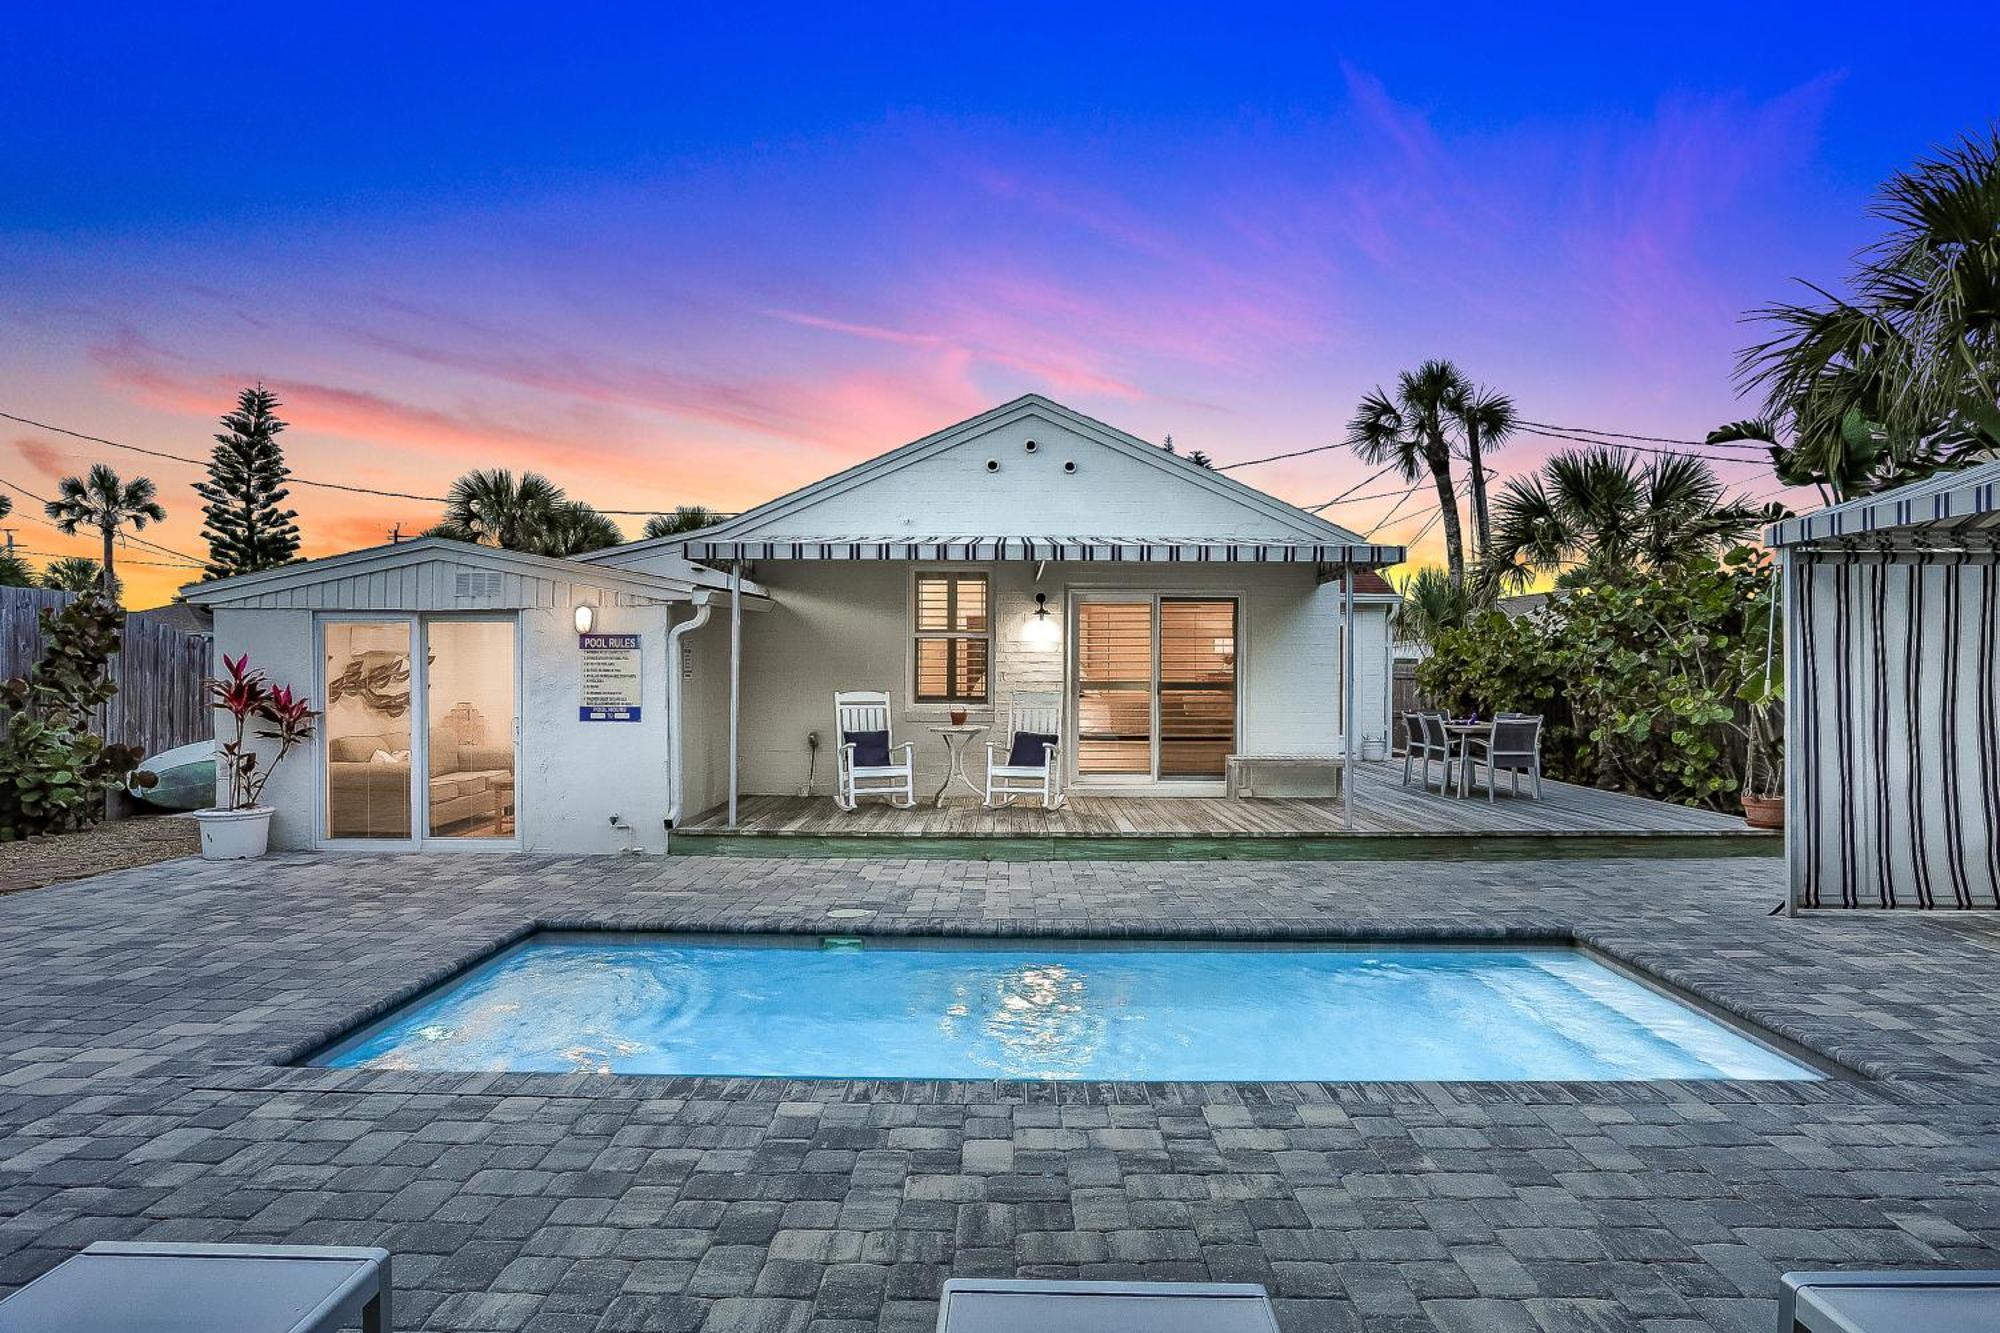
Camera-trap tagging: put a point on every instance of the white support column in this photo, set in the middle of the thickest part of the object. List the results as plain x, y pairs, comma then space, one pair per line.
1347, 660
735, 676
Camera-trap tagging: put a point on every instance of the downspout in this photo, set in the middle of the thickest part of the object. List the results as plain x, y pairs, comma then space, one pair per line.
1348, 717
675, 732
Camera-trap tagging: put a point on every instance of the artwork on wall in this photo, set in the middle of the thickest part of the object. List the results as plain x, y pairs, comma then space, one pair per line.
376, 679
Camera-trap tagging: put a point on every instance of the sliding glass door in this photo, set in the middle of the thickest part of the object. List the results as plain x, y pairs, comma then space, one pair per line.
367, 729
1155, 681
469, 688
421, 729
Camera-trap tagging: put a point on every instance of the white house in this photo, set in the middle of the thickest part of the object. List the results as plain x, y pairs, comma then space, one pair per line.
1180, 615
1892, 668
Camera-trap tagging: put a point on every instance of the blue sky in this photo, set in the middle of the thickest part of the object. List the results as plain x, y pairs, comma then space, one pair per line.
709, 257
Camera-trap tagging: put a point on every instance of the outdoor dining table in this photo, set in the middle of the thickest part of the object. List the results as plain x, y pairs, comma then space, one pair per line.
1464, 733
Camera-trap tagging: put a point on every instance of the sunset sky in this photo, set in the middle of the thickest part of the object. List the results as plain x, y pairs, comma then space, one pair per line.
704, 257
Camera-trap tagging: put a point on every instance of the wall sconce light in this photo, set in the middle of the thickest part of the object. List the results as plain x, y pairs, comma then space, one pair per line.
586, 616
1042, 627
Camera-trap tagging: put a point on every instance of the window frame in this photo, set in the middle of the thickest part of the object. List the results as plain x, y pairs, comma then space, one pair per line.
917, 636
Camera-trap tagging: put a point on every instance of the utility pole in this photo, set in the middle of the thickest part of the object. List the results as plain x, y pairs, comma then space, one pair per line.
396, 535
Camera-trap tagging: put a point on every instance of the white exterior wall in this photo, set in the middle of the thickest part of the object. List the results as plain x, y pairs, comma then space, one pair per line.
1111, 492
847, 625
572, 776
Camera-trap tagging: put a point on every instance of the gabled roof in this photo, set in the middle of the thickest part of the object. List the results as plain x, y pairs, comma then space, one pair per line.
1956, 502
247, 587
780, 529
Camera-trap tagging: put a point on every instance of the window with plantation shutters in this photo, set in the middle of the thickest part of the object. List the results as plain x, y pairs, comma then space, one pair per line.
954, 638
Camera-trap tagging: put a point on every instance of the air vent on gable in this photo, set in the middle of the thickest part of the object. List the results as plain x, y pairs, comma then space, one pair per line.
479, 583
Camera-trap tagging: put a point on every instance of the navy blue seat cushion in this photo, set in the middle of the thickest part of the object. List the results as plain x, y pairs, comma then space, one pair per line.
871, 748
1027, 751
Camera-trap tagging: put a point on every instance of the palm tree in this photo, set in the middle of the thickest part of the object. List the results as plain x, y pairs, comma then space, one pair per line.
571, 528
1432, 603
1485, 419
101, 501
489, 506
1902, 378
76, 573
1597, 511
1408, 432
685, 518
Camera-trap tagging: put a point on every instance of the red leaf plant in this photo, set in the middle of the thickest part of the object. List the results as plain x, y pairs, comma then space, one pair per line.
247, 696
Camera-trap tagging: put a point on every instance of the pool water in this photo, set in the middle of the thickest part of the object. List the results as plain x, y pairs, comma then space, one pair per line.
1087, 1009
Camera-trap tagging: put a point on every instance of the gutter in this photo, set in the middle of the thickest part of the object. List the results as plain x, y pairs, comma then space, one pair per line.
675, 731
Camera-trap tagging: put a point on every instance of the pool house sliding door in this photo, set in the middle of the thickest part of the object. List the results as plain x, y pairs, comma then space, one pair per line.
1154, 688
421, 735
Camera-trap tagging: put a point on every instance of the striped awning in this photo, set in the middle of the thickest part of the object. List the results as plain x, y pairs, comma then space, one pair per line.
1950, 501
1108, 550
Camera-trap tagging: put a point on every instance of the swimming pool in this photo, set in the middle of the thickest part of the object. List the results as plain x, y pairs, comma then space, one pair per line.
806, 1007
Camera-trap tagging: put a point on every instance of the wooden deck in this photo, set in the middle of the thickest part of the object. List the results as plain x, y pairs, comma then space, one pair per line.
1389, 820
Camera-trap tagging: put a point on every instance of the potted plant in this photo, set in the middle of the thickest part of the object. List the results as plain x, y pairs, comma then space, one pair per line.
242, 828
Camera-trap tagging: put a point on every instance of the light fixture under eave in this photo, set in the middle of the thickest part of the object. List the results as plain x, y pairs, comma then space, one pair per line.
586, 616
1042, 627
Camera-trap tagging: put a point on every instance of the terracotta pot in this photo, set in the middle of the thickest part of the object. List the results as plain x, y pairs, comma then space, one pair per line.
958, 717
1764, 811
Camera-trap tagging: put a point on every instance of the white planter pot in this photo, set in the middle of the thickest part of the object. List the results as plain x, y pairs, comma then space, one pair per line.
234, 835
1374, 748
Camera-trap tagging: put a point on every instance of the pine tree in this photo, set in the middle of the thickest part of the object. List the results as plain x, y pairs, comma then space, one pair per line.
245, 529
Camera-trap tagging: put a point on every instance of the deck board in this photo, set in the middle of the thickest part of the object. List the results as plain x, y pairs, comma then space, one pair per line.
1383, 808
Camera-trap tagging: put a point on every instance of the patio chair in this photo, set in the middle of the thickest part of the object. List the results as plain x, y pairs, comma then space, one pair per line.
1030, 763
1413, 741
1515, 745
1437, 745
867, 762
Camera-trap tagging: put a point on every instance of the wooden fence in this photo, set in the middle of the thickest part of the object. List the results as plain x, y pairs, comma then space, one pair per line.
160, 702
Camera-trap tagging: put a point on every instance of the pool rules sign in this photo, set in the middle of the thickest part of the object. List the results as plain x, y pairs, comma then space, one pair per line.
610, 678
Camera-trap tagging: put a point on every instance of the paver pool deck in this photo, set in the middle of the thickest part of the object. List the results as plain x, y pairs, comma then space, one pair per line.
144, 1016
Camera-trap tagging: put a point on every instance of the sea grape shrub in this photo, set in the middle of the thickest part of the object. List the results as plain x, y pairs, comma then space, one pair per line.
54, 770
1646, 684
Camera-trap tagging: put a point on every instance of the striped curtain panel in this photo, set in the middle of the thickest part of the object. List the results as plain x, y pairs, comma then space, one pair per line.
1894, 730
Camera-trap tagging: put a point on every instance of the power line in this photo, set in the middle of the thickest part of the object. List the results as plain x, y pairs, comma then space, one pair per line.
1272, 458
1647, 439
68, 555
1386, 468
295, 479
1687, 452
123, 536
1394, 509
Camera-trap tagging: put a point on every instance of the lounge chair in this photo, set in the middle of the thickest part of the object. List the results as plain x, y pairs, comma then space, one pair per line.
1013, 1305
1889, 1301
866, 760
1030, 763
188, 1287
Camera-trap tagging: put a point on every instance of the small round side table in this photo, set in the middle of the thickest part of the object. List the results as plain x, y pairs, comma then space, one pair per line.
957, 740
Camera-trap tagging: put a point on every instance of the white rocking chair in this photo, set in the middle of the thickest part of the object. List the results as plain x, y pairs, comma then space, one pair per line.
1035, 714
868, 710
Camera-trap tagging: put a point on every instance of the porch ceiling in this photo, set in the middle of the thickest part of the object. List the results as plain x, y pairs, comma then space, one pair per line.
1094, 549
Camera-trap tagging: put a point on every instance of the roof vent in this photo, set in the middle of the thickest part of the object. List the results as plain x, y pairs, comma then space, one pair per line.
478, 583
992, 465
